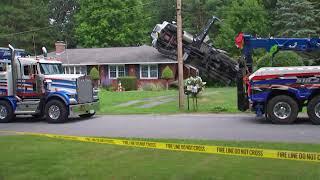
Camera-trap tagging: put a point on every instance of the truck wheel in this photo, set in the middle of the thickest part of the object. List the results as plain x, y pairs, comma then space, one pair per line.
6, 112
282, 109
87, 115
56, 112
313, 110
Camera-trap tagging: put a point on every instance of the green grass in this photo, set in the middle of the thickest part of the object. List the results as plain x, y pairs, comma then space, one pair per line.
29, 157
210, 100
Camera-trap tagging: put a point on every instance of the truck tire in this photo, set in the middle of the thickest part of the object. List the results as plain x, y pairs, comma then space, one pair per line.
282, 109
6, 112
56, 111
313, 110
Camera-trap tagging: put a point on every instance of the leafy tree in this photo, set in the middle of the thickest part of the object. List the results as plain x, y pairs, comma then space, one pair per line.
111, 23
282, 58
167, 74
160, 10
197, 12
297, 18
247, 16
61, 15
25, 16
94, 74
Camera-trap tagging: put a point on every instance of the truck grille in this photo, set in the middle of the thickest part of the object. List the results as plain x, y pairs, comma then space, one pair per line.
84, 89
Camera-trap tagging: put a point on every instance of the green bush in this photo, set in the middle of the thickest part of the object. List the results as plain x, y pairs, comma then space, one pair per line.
281, 59
167, 74
94, 74
129, 83
152, 87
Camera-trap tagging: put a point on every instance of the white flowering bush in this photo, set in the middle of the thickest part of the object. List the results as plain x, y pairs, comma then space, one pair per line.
194, 85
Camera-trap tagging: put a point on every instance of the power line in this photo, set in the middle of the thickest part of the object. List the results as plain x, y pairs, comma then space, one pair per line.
32, 30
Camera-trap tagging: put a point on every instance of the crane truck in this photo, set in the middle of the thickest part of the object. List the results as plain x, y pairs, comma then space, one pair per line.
37, 86
279, 93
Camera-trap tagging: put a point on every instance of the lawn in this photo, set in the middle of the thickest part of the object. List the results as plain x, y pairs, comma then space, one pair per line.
210, 100
29, 157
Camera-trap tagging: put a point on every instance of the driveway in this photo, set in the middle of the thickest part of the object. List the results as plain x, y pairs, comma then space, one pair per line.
178, 126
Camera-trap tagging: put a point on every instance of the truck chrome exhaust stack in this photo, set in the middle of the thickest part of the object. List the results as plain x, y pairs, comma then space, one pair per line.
45, 52
13, 70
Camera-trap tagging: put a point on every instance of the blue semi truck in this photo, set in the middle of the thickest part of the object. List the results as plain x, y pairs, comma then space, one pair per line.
37, 86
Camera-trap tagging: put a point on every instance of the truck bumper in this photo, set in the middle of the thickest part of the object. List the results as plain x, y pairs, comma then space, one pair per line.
86, 108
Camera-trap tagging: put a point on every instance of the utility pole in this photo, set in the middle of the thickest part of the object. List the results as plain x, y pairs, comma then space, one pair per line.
179, 56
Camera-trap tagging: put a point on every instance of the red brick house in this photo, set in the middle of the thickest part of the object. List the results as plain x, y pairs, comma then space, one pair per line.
143, 62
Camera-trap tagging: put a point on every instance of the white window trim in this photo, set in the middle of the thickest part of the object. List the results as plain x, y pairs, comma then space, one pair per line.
149, 71
117, 71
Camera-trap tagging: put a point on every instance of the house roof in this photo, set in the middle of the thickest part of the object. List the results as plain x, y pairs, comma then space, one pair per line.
118, 55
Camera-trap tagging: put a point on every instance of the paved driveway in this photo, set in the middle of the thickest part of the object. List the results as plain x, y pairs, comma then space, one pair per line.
181, 126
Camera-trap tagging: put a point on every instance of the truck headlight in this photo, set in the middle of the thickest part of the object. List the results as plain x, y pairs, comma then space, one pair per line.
72, 99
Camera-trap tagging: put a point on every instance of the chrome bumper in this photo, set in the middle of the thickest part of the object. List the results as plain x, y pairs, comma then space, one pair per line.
86, 108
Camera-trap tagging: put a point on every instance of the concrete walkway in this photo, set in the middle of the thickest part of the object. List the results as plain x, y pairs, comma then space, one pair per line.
148, 102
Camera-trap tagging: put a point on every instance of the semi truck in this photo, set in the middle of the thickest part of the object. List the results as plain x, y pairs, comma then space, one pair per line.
278, 93
37, 86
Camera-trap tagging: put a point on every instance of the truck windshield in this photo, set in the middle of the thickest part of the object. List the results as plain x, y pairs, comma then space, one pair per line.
50, 68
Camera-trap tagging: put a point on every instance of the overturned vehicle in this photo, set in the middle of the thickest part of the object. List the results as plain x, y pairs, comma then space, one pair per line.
213, 63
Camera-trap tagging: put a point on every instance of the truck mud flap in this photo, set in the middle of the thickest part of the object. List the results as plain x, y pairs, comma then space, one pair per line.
243, 101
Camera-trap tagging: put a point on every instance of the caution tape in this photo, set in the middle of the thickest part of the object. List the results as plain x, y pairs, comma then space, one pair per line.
224, 150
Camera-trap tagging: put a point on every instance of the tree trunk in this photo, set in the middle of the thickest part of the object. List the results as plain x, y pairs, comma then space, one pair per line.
167, 85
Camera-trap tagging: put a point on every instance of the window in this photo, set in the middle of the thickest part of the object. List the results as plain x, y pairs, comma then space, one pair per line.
116, 71
149, 71
78, 70
71, 69
75, 70
50, 68
26, 70
3, 66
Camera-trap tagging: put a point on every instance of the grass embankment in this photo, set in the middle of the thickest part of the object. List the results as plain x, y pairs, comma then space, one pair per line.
29, 157
210, 100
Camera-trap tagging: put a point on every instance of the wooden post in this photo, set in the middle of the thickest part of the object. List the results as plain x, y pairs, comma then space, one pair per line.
179, 56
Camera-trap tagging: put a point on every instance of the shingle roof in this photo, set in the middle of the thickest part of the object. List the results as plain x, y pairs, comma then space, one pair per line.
119, 55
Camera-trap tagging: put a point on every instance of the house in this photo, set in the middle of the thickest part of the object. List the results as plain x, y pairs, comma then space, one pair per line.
143, 62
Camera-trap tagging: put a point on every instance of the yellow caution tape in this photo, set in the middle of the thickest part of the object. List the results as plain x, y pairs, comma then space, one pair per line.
225, 150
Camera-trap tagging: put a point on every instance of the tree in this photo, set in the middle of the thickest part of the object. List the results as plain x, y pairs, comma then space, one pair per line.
167, 74
281, 59
247, 16
61, 15
197, 13
94, 74
24, 16
111, 23
297, 18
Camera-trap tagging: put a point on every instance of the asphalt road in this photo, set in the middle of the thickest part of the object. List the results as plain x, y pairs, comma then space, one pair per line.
179, 126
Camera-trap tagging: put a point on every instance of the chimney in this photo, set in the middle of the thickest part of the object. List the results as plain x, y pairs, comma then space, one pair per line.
60, 47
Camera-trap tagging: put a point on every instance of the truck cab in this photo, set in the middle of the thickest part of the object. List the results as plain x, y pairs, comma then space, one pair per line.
37, 86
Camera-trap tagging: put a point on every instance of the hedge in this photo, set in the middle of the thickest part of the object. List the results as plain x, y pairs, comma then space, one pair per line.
129, 83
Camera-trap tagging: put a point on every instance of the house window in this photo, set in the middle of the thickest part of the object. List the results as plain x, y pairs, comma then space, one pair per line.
75, 70
116, 71
149, 71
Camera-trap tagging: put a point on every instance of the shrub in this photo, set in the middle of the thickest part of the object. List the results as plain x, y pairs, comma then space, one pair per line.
167, 74
129, 83
94, 74
152, 87
282, 58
